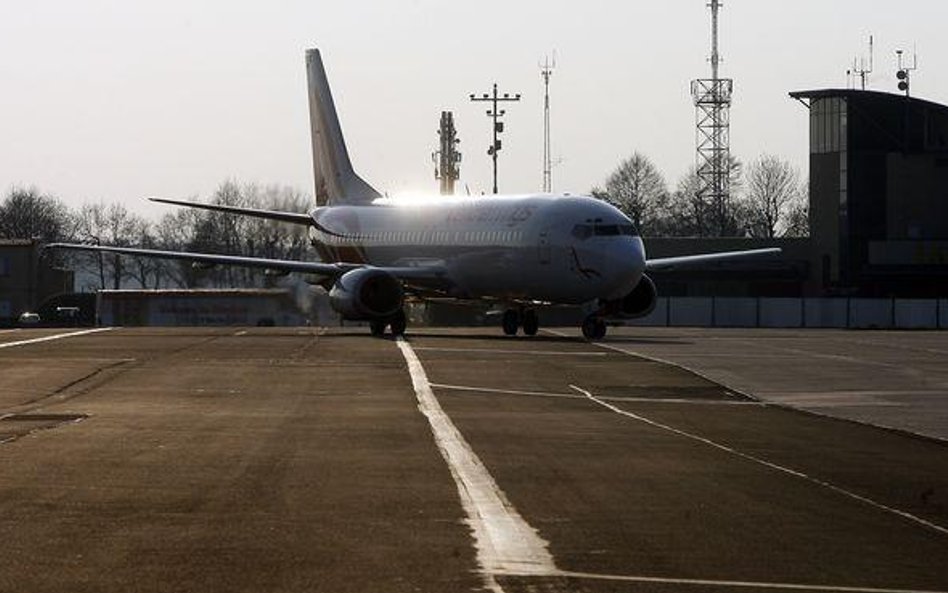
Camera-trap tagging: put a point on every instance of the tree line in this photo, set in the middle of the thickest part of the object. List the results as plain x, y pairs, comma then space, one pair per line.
768, 200
28, 213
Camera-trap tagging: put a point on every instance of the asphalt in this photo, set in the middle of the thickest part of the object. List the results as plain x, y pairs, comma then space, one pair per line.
296, 459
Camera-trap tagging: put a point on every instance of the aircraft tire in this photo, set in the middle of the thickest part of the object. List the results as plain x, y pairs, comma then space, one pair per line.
399, 323
594, 328
511, 322
377, 327
531, 322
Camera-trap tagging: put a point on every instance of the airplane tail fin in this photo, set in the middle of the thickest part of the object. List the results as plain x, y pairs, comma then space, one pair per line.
336, 182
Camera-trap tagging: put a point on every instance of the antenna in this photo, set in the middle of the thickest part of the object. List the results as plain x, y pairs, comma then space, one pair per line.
904, 73
447, 158
712, 97
860, 70
495, 115
546, 71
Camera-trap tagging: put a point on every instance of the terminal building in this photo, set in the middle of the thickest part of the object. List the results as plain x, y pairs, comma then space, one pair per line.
878, 210
878, 193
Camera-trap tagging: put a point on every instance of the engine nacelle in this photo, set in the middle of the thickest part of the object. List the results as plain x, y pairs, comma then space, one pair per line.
638, 303
366, 294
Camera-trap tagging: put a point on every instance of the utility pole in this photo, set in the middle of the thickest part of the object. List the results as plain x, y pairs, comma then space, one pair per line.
712, 97
447, 159
546, 71
498, 127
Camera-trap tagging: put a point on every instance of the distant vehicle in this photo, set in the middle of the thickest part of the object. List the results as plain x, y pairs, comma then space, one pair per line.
29, 318
514, 251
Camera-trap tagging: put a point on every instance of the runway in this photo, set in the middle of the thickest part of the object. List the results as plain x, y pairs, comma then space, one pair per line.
301, 459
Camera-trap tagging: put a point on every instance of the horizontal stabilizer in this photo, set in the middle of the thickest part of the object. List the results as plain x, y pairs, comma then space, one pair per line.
665, 263
290, 217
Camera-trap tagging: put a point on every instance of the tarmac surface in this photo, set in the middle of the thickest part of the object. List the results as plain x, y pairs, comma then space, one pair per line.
301, 459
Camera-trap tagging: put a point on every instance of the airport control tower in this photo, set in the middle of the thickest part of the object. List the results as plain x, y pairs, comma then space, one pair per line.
712, 98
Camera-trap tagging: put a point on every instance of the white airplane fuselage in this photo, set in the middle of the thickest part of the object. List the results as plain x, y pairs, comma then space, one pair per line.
535, 248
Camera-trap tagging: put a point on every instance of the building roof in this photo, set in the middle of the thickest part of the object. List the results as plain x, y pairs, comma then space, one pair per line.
866, 95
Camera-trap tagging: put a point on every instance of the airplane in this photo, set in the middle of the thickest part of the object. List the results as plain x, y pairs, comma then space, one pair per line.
513, 251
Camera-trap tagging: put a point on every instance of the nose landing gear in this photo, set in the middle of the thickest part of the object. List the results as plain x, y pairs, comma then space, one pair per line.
514, 319
594, 328
397, 322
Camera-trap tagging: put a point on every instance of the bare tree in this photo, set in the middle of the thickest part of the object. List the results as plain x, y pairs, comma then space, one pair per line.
773, 187
109, 224
28, 214
638, 189
175, 231
688, 214
798, 215
691, 214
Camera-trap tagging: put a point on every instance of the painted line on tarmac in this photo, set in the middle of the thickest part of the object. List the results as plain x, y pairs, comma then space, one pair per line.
498, 351
792, 472
55, 337
506, 391
505, 541
734, 584
613, 398
731, 391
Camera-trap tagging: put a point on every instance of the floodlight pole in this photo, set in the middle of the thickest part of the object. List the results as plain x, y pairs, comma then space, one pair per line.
498, 126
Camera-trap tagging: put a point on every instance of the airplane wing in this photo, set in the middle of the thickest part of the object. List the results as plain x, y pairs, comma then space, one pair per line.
665, 263
331, 270
290, 217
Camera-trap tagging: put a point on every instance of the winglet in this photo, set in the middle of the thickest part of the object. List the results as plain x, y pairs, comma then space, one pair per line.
335, 181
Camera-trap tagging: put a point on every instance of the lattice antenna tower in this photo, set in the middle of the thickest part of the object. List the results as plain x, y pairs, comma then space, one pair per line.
860, 69
712, 97
546, 72
447, 158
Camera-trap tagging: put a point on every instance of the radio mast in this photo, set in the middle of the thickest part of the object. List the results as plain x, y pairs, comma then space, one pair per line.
546, 71
447, 159
712, 97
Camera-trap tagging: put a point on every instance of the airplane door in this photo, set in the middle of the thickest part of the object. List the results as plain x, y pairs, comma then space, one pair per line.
543, 249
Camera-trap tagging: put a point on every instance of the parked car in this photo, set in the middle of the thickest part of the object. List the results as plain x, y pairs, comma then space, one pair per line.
29, 318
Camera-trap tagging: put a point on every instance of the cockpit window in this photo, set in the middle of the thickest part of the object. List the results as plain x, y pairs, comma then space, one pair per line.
585, 231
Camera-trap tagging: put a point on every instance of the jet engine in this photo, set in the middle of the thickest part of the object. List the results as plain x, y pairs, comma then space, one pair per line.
366, 294
638, 303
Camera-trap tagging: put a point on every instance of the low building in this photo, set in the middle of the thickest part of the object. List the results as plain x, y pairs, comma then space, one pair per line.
198, 307
27, 278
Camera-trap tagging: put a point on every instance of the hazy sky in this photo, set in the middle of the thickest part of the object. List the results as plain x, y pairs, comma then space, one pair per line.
115, 100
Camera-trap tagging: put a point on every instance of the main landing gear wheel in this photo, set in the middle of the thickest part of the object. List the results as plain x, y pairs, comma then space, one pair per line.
511, 322
594, 328
531, 322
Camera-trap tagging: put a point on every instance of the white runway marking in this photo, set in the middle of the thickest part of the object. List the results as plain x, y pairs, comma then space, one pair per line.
877, 505
505, 541
54, 337
498, 351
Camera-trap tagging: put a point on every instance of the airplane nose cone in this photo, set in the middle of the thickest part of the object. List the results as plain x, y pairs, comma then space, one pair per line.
626, 264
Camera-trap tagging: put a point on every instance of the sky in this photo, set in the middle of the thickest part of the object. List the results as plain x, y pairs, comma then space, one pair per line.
114, 100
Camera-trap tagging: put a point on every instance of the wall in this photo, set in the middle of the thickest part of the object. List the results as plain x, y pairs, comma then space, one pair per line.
793, 312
